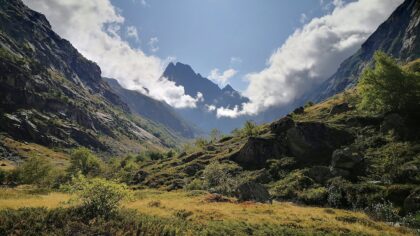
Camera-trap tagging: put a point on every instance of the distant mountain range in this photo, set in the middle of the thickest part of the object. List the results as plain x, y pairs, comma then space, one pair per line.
194, 83
202, 116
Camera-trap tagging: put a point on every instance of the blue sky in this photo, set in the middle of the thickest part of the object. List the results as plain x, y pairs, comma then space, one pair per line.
207, 34
282, 48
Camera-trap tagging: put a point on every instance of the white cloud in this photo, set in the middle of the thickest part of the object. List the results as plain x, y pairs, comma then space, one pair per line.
153, 44
93, 27
303, 18
312, 54
221, 78
211, 107
133, 33
235, 60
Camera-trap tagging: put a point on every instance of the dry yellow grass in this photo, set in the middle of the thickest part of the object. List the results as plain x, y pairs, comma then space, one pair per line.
279, 213
18, 198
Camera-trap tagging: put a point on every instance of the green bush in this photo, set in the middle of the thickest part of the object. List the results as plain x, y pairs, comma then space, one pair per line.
337, 192
290, 186
280, 168
250, 129
218, 178
84, 161
384, 211
315, 196
389, 87
99, 197
196, 184
35, 170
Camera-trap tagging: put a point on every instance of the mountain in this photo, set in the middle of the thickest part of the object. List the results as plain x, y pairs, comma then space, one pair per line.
51, 95
154, 110
194, 83
398, 36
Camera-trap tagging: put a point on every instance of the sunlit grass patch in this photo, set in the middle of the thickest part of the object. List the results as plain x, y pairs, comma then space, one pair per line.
197, 213
18, 198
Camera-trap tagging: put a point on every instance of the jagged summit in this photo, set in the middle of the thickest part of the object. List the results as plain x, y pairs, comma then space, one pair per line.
213, 95
228, 88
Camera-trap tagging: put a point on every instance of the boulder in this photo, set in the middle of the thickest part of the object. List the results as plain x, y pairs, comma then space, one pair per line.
282, 125
348, 163
339, 108
252, 191
312, 143
412, 202
255, 153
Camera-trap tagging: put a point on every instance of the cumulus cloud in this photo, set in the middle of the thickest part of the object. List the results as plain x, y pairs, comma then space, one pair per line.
222, 78
93, 27
312, 54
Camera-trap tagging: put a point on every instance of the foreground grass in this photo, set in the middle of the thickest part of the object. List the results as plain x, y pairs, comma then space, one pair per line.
195, 214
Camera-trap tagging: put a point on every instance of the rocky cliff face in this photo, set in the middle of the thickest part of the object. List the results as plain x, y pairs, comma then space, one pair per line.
398, 36
50, 94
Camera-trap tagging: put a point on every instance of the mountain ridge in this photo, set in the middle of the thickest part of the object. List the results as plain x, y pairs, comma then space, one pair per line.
398, 36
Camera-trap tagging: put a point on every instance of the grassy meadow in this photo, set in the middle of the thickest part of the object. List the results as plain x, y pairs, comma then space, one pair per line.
194, 211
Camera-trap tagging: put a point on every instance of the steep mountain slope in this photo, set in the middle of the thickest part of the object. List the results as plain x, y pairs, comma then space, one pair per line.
330, 153
398, 36
50, 94
154, 110
201, 116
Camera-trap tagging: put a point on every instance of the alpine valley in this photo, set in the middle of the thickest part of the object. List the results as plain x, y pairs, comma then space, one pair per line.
80, 154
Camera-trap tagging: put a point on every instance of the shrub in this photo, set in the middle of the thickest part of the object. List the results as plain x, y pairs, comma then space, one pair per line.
99, 197
337, 192
279, 168
153, 155
290, 186
309, 104
85, 162
201, 143
195, 184
123, 170
317, 196
412, 220
215, 135
250, 129
183, 214
389, 87
218, 178
35, 170
383, 211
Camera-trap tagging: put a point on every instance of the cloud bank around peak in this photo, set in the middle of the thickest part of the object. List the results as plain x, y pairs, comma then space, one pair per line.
95, 27
312, 54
